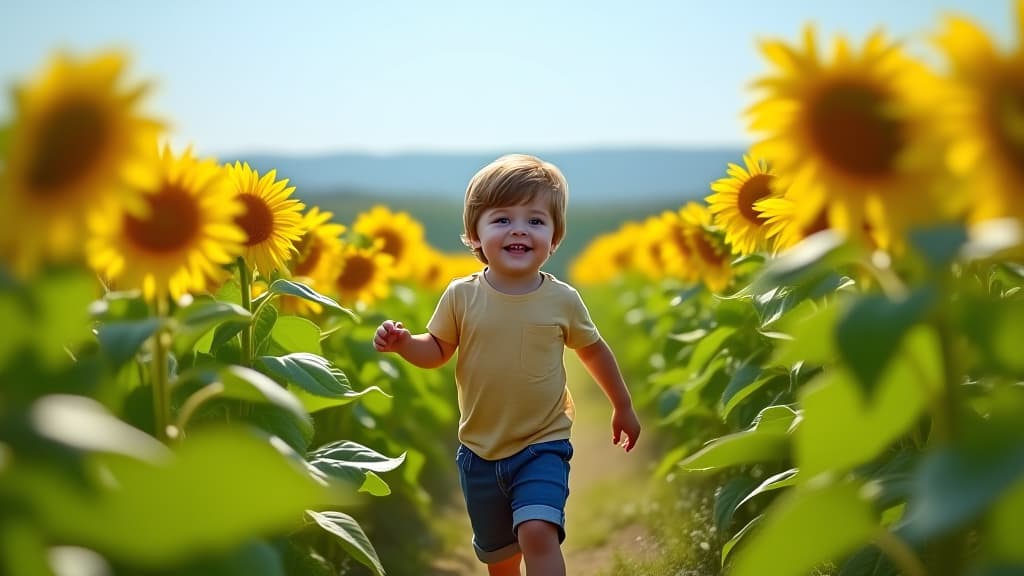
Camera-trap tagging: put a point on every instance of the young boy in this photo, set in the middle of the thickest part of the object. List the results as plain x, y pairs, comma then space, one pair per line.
511, 323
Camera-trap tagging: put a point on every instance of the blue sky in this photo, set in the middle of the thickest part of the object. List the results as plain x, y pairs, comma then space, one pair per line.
461, 75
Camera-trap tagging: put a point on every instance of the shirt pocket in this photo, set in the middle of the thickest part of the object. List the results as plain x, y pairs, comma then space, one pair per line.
542, 350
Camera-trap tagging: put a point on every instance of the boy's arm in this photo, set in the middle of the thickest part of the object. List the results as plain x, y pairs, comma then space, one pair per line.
423, 350
600, 363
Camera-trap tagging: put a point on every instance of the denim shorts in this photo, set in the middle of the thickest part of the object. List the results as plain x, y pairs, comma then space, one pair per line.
532, 484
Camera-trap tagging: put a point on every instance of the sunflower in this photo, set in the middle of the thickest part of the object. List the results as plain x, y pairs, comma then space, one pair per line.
783, 224
985, 121
365, 275
855, 134
648, 253
271, 220
733, 205
707, 250
676, 251
180, 238
401, 236
316, 261
74, 141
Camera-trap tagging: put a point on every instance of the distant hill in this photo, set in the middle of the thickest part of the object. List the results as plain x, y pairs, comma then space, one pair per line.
605, 175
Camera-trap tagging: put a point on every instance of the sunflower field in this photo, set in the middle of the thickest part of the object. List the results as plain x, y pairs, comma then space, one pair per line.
833, 337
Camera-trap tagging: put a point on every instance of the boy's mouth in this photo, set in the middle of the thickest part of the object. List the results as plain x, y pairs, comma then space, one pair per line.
517, 248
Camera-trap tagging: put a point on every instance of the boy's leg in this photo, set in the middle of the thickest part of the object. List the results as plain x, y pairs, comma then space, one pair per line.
541, 548
507, 567
539, 488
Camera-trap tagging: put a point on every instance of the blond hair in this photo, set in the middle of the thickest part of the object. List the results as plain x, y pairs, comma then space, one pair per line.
513, 180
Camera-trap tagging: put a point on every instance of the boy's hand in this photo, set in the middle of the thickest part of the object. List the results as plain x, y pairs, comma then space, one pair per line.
390, 336
625, 428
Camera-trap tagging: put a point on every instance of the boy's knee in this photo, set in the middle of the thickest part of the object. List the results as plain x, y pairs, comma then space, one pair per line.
538, 536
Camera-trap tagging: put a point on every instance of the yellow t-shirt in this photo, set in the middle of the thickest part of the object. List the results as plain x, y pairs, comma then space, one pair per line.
509, 374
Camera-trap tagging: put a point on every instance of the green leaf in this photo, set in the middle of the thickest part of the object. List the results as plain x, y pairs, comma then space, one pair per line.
842, 428
350, 461
317, 384
812, 329
806, 527
954, 486
783, 479
85, 425
1003, 528
121, 341
220, 489
868, 561
201, 316
940, 244
871, 329
996, 329
374, 485
296, 334
728, 499
351, 538
299, 290
729, 546
243, 383
767, 440
809, 261
263, 326
707, 348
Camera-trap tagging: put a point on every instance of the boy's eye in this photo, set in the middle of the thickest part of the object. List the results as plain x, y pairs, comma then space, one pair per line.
536, 222
501, 220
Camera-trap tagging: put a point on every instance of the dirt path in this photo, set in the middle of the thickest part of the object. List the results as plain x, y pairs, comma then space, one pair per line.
603, 488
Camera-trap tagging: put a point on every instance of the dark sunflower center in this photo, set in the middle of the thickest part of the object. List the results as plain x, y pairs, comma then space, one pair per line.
257, 220
309, 250
754, 189
705, 249
71, 140
853, 126
820, 223
171, 225
1007, 121
393, 243
357, 273
678, 238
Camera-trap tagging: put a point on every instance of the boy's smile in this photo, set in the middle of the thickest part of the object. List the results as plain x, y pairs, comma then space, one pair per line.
516, 240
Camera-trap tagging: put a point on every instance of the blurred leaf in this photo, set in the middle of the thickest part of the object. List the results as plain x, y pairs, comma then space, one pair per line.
49, 315
812, 328
202, 315
868, 561
870, 331
299, 290
224, 333
318, 385
296, 334
996, 328
23, 549
255, 558
223, 487
728, 499
843, 429
728, 547
351, 538
707, 348
121, 341
954, 486
767, 440
804, 528
939, 244
296, 432
1003, 532
816, 257
84, 424
120, 306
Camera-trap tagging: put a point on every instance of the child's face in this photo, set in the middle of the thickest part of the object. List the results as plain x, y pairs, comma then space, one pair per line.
516, 240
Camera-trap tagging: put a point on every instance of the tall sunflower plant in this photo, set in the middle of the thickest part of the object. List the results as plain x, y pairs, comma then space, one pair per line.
857, 394
138, 431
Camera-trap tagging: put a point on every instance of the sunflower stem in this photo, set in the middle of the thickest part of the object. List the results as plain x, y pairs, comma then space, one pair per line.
246, 283
161, 346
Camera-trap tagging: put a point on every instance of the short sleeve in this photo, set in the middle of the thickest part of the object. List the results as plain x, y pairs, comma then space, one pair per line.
444, 324
582, 331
